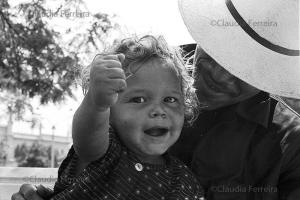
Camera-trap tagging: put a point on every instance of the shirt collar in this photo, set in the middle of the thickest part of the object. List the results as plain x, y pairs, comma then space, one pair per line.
257, 109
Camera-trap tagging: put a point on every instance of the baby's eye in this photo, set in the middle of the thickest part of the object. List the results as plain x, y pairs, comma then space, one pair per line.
170, 99
137, 100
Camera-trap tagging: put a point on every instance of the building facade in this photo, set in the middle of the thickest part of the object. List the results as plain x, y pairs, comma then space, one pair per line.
9, 141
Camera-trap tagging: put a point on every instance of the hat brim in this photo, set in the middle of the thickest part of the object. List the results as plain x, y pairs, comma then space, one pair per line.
237, 52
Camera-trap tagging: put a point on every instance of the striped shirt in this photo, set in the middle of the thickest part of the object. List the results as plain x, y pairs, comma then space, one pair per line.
119, 174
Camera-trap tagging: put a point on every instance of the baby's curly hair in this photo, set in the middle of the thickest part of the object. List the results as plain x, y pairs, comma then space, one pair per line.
140, 50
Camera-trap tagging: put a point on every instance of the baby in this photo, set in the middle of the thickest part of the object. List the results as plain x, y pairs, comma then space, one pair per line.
137, 97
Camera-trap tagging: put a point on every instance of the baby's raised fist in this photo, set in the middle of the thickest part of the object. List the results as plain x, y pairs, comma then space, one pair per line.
107, 79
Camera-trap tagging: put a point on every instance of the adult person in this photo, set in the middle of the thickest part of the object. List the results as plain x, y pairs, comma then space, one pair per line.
240, 148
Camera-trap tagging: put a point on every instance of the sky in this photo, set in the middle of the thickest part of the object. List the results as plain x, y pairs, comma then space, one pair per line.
159, 16
134, 16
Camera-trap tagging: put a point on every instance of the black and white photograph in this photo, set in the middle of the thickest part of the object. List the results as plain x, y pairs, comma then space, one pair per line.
149, 100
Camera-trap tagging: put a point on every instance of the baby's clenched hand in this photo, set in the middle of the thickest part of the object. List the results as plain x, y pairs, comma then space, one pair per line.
107, 79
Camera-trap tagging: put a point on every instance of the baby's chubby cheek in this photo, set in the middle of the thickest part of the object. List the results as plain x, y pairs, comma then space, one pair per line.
121, 125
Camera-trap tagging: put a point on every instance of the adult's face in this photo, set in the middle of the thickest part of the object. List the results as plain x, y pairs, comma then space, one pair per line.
215, 86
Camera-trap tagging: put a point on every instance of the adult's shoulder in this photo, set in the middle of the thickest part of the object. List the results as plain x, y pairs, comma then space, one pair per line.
287, 124
286, 120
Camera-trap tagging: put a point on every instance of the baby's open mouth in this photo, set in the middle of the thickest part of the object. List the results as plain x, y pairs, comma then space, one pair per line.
156, 131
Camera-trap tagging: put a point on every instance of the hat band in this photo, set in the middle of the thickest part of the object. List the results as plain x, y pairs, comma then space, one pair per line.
266, 43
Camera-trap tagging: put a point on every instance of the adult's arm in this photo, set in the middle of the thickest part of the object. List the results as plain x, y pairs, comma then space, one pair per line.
289, 180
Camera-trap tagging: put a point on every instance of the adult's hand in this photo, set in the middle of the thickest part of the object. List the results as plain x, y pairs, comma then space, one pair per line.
30, 192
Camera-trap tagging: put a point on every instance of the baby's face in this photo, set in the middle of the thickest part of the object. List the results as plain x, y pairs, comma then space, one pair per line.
149, 114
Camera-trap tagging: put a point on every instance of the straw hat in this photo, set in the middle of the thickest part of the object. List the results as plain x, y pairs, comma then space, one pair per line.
257, 41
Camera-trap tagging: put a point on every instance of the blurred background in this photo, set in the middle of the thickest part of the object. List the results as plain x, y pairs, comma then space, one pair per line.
43, 45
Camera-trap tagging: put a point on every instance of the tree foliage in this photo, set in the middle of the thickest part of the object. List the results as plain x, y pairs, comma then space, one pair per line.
3, 152
35, 60
36, 155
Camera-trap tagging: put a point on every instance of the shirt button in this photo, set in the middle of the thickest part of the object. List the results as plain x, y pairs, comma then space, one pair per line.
139, 167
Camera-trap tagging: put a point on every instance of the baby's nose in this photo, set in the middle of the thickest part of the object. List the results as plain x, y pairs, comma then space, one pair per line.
157, 111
